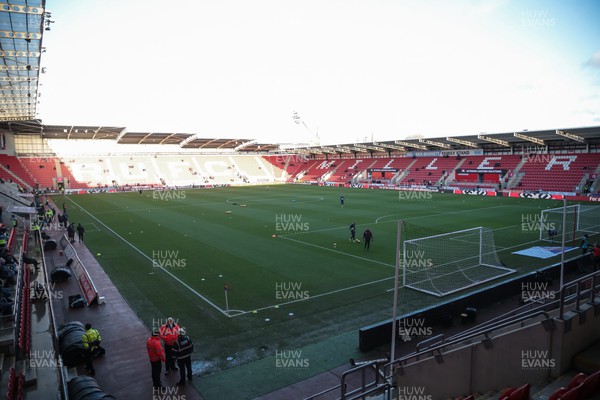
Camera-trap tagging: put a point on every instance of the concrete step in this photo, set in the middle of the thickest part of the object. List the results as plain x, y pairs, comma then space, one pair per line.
588, 361
492, 394
544, 392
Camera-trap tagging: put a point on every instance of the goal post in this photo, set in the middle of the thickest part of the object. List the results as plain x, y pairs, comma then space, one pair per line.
450, 262
581, 219
551, 226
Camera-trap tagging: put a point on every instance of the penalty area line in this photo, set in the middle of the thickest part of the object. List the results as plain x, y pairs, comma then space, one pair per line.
315, 296
152, 261
336, 251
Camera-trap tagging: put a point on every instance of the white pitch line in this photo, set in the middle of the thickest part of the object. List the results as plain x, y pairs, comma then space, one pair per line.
433, 215
314, 230
273, 200
337, 251
152, 261
316, 296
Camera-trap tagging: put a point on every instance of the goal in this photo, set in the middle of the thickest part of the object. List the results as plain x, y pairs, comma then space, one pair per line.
447, 263
580, 219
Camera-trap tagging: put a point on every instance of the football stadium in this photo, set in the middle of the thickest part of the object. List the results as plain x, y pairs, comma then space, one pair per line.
142, 264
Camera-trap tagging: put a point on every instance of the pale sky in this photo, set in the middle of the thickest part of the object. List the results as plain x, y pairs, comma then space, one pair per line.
353, 70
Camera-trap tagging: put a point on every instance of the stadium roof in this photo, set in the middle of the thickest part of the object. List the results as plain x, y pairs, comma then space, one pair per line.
21, 28
153, 138
576, 136
196, 142
557, 137
22, 25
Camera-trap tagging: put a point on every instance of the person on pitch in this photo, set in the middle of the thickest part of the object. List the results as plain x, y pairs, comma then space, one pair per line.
367, 237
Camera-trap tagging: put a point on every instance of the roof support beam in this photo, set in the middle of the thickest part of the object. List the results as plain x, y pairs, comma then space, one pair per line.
529, 138
570, 136
463, 142
494, 140
408, 144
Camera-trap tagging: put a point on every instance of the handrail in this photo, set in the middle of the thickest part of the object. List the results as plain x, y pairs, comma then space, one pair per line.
577, 283
483, 330
321, 393
365, 388
493, 321
514, 312
515, 316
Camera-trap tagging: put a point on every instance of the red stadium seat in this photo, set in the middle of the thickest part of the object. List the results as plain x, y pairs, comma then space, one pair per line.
558, 393
576, 380
575, 393
505, 393
591, 385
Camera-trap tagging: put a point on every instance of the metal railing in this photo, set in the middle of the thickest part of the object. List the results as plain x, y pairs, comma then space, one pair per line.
575, 292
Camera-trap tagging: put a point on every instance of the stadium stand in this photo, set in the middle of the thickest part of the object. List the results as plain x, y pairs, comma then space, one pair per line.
429, 170
122, 165
513, 171
43, 171
345, 170
12, 170
477, 171
557, 172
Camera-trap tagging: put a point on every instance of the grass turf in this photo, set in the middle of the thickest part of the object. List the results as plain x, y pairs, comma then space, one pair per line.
172, 253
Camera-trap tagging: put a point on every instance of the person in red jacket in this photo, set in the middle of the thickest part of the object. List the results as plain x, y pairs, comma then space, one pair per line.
596, 256
157, 357
169, 332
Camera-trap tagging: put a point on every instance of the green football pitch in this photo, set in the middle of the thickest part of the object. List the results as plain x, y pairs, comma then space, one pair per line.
173, 253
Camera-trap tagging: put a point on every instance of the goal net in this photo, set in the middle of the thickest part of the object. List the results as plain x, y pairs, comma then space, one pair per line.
450, 262
580, 219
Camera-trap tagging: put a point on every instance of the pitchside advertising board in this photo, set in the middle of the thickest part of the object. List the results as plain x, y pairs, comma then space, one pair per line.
83, 278
476, 192
536, 195
136, 188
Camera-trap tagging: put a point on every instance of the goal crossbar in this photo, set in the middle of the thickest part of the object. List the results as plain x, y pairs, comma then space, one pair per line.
450, 262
